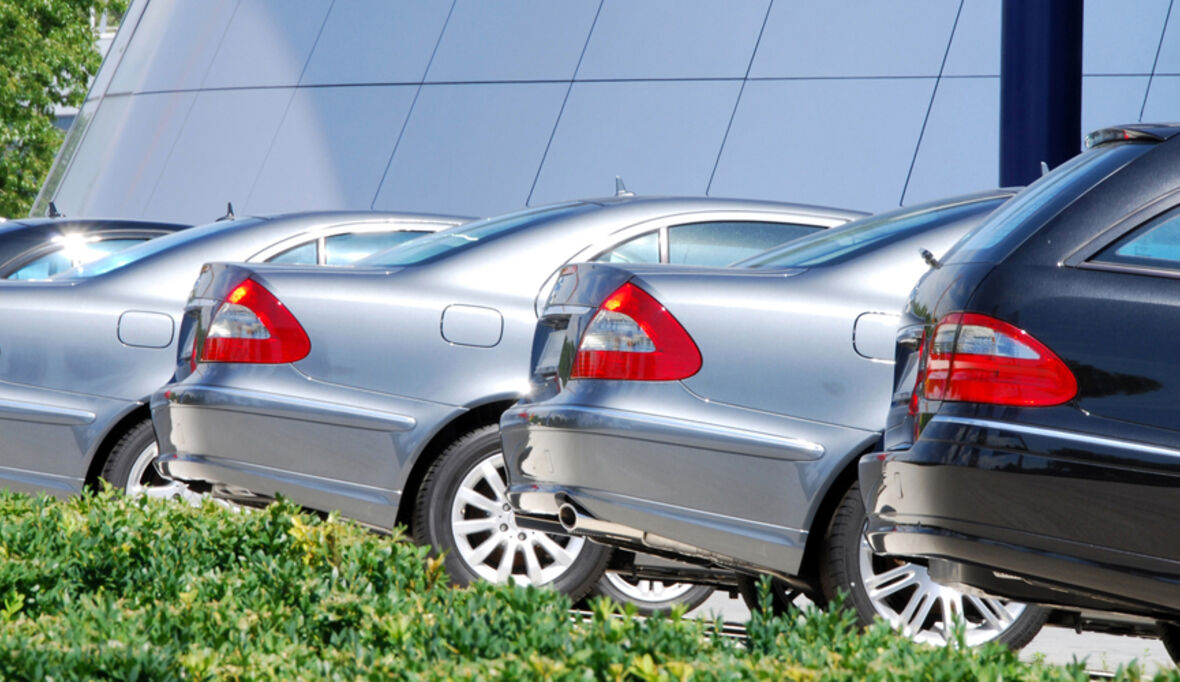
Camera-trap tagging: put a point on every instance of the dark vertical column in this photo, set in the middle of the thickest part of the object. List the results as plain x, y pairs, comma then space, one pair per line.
1040, 86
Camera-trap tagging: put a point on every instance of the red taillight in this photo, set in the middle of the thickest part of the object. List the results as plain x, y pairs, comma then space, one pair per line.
979, 359
633, 337
254, 326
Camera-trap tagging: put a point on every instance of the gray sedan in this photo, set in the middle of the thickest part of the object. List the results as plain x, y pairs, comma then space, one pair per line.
81, 353
377, 391
718, 414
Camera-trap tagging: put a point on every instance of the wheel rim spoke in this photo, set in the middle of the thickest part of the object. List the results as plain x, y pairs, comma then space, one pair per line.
532, 564
992, 611
473, 526
495, 479
560, 555
916, 612
485, 548
507, 559
477, 500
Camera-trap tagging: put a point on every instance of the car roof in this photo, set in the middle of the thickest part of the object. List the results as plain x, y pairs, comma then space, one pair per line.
18, 237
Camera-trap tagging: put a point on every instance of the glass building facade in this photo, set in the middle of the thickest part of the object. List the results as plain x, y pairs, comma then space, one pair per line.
484, 106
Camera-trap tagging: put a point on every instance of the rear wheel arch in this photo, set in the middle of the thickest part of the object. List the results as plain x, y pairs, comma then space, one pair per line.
826, 510
473, 418
109, 440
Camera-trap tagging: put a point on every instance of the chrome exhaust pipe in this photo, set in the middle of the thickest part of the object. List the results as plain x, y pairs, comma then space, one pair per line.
576, 523
567, 516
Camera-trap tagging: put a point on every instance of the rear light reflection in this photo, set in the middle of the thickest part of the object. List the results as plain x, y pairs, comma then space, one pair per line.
633, 337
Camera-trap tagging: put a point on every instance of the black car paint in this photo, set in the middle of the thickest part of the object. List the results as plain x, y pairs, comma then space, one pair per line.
1072, 505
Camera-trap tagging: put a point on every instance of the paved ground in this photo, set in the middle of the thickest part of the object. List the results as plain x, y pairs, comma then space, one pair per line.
1057, 645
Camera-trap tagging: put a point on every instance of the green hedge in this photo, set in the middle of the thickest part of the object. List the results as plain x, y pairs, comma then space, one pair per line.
102, 586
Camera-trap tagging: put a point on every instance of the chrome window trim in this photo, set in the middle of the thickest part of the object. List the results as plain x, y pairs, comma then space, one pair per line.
319, 233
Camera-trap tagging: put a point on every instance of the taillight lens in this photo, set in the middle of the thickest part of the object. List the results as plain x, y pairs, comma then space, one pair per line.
254, 326
979, 359
633, 337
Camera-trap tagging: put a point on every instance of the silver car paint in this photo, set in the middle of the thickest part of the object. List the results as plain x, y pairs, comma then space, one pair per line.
377, 343
77, 356
733, 462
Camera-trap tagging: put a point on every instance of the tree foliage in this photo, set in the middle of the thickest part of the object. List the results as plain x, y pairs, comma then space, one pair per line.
48, 54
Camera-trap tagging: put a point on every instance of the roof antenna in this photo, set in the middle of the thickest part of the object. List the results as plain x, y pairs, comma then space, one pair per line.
621, 189
53, 212
229, 212
1044, 169
929, 258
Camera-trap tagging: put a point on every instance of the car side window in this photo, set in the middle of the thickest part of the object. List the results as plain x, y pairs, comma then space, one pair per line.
66, 257
1154, 245
350, 247
642, 249
725, 242
304, 254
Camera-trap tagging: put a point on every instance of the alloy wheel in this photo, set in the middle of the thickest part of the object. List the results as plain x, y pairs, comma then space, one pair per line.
143, 479
905, 596
488, 539
648, 590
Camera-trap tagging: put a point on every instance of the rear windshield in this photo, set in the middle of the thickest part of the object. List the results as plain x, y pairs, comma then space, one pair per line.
447, 242
1005, 229
843, 243
152, 247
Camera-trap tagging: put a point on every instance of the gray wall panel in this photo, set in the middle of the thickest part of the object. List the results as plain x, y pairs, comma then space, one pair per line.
471, 149
975, 49
960, 149
673, 39
512, 40
1163, 102
811, 141
117, 49
218, 154
331, 149
1111, 100
123, 154
661, 137
1120, 37
267, 44
173, 45
1168, 61
852, 38
377, 41
839, 91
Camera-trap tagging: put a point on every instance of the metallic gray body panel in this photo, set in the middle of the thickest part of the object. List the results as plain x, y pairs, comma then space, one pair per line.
79, 355
714, 461
751, 476
381, 334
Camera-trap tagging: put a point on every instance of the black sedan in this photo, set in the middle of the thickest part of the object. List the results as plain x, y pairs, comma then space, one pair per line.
1034, 442
38, 248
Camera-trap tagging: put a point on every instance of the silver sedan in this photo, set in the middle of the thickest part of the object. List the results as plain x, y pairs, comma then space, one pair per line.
718, 414
377, 391
81, 353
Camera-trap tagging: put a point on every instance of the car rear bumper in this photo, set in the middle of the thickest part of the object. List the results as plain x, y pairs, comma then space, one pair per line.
1033, 513
661, 484
335, 451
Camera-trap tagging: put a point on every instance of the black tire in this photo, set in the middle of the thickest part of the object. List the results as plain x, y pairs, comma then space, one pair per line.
840, 571
432, 514
694, 597
782, 596
1170, 636
124, 456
